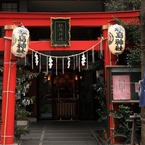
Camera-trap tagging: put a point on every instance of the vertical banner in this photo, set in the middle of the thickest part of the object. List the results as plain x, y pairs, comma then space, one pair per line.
60, 32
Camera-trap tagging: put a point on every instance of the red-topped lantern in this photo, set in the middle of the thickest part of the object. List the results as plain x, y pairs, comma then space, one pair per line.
20, 40
116, 39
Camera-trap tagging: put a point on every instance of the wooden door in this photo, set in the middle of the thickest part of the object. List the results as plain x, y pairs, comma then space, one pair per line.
65, 101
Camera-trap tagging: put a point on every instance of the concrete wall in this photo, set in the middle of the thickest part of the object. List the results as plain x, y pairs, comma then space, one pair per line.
64, 6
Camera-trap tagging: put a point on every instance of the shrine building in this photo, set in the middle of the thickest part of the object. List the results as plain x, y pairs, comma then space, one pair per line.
68, 49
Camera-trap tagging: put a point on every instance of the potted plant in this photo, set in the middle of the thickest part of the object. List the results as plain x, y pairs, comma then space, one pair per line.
22, 115
19, 131
120, 116
21, 120
101, 100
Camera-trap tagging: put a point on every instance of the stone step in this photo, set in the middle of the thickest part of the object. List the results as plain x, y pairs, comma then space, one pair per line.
68, 135
60, 143
60, 133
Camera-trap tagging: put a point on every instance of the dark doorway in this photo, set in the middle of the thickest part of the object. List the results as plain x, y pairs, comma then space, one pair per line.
44, 99
66, 101
57, 96
67, 96
86, 94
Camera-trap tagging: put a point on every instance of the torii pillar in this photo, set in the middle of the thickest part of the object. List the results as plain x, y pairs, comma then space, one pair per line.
110, 60
8, 92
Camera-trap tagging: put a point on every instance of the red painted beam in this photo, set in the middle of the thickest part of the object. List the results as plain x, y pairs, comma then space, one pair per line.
75, 45
31, 19
46, 45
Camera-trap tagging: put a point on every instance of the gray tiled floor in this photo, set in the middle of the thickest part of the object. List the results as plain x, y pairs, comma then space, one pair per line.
61, 133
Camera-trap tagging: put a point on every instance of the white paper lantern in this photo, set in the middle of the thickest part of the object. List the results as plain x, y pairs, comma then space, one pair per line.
116, 39
20, 41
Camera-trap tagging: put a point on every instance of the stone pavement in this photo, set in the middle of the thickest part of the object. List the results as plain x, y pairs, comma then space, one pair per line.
62, 133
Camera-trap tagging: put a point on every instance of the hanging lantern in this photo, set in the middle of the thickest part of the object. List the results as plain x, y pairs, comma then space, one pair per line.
116, 39
20, 40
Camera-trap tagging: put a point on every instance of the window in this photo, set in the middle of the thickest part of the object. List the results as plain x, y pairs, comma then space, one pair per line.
1, 32
9, 7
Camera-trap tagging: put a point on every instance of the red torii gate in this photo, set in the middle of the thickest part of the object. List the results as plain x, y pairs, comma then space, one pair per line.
43, 19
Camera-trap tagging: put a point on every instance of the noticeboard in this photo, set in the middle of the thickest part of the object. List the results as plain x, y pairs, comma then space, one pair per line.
123, 83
